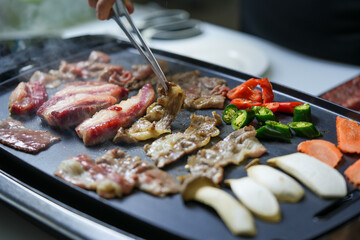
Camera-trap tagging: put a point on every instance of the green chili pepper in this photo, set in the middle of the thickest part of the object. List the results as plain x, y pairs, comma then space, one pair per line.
242, 118
263, 114
229, 113
274, 131
304, 129
302, 113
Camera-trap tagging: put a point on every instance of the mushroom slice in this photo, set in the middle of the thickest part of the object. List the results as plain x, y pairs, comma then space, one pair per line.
257, 198
322, 179
236, 217
284, 187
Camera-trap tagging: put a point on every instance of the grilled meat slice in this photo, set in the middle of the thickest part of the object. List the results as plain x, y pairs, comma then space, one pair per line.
97, 63
116, 174
201, 92
158, 118
78, 101
27, 98
234, 149
14, 134
141, 74
170, 148
84, 172
105, 123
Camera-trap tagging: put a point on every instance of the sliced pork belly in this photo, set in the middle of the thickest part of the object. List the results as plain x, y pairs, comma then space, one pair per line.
84, 172
53, 79
158, 118
105, 123
201, 92
116, 174
27, 98
172, 147
14, 134
235, 148
97, 63
78, 101
141, 74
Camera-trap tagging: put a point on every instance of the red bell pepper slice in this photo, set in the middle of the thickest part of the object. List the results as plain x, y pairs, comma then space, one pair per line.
288, 107
242, 103
273, 106
247, 90
256, 96
267, 91
244, 90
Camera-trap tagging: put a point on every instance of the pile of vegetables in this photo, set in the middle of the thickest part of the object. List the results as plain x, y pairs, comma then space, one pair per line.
248, 103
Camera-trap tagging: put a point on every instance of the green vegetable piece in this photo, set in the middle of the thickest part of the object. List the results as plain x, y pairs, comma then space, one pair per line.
302, 113
274, 131
305, 129
263, 114
242, 118
229, 113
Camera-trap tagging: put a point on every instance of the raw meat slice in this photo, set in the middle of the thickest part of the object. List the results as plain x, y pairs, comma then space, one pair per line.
346, 94
14, 134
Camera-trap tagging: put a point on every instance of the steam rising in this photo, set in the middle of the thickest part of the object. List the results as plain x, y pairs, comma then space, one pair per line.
42, 16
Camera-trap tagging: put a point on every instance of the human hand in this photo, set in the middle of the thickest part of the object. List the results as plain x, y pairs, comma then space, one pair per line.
104, 7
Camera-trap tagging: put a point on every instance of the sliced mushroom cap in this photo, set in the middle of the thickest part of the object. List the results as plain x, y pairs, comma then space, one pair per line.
284, 187
258, 199
319, 177
236, 217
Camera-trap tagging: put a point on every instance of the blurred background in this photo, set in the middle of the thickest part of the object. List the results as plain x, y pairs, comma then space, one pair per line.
50, 15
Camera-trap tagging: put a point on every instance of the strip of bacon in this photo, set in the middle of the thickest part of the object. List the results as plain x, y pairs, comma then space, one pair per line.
234, 149
14, 134
105, 123
158, 118
78, 101
27, 98
172, 147
116, 174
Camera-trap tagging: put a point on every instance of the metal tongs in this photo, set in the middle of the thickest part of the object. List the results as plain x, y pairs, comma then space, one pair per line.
121, 11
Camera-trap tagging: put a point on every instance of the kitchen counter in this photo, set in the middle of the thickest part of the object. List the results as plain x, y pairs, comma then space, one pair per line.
295, 70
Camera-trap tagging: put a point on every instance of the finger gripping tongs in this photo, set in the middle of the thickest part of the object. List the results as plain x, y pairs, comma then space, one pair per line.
121, 11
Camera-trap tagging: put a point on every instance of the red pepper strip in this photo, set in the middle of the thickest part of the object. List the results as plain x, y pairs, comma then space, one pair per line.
288, 107
244, 90
267, 91
256, 96
273, 106
242, 103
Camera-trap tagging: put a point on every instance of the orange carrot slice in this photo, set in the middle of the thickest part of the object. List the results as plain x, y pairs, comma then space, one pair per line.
323, 150
353, 173
348, 135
